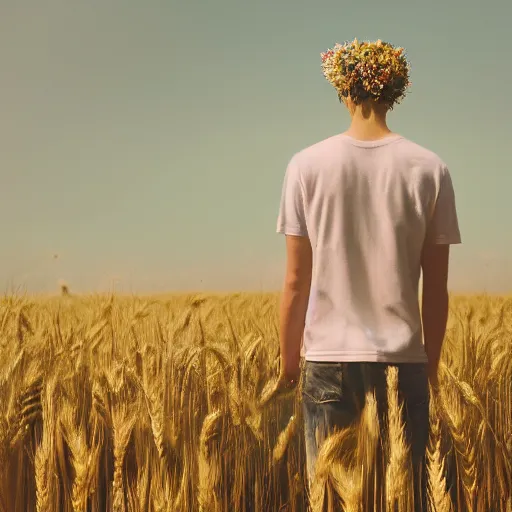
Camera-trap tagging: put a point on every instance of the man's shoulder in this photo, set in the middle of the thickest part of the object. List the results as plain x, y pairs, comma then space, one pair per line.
316, 151
420, 155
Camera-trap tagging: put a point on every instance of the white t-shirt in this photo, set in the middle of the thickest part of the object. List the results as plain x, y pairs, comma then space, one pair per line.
367, 207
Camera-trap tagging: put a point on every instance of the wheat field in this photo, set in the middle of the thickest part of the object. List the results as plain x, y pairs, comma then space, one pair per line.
153, 404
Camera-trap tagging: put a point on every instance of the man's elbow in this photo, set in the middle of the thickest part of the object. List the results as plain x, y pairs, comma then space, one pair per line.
434, 263
297, 284
436, 294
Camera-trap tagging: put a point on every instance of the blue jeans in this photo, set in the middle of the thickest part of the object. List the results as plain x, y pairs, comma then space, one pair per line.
333, 396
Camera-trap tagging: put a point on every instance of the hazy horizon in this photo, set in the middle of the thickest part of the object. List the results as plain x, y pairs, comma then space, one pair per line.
145, 143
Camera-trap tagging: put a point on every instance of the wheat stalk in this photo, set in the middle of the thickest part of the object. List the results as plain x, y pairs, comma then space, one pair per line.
44, 463
399, 470
438, 494
465, 450
210, 466
335, 452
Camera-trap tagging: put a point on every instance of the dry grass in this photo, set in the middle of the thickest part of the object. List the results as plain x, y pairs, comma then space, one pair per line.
155, 404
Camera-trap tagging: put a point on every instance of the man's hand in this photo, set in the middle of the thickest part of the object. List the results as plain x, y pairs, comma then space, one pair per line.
432, 377
285, 384
290, 373
290, 368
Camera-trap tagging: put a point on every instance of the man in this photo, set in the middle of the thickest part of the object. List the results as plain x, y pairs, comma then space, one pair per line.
364, 212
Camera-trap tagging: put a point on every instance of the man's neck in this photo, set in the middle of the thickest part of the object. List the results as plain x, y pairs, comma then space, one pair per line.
368, 129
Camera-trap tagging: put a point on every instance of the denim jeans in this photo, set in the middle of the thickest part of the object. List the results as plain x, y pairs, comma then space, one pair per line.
333, 396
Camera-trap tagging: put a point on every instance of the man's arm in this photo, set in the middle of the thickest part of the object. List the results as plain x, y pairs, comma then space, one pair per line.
294, 303
434, 263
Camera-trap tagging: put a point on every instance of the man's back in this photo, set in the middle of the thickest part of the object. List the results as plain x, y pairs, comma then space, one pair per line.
367, 208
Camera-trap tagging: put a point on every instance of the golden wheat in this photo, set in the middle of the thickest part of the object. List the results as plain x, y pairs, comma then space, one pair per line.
170, 404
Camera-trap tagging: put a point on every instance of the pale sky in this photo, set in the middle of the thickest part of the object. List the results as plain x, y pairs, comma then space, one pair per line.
147, 141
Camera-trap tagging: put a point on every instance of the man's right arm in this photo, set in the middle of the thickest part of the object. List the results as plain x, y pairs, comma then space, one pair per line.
434, 263
442, 231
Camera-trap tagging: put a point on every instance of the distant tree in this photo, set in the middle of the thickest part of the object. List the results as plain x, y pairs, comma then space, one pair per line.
64, 289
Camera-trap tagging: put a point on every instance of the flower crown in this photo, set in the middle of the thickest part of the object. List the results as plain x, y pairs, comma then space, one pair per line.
367, 70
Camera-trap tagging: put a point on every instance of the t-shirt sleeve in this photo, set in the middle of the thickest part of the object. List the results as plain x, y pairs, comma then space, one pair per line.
292, 212
444, 226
